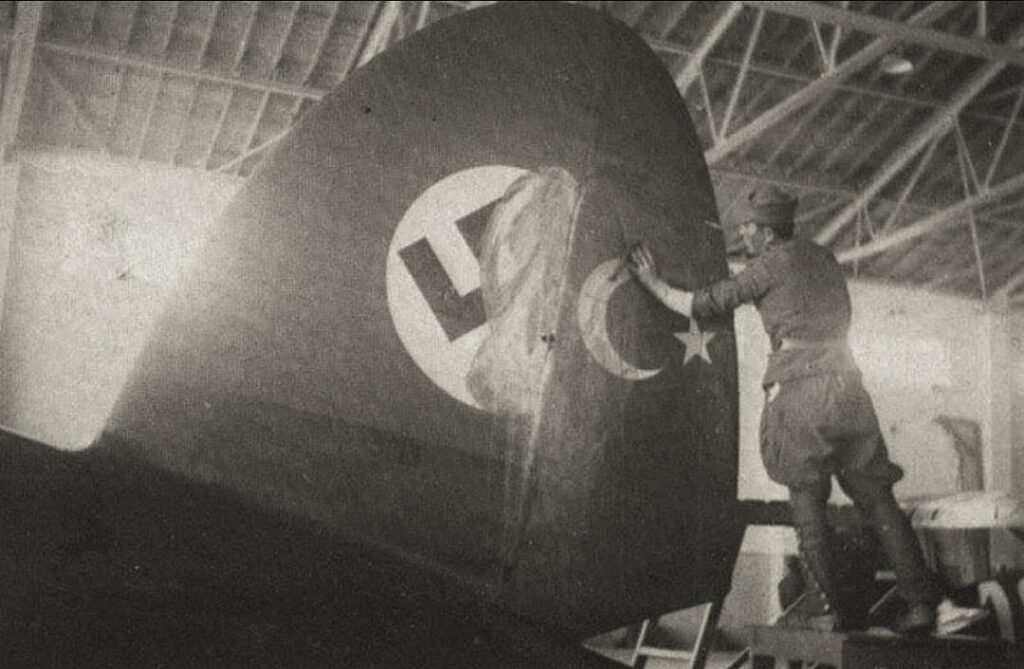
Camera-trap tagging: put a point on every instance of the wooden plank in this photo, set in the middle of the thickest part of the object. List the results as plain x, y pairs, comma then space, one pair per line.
771, 641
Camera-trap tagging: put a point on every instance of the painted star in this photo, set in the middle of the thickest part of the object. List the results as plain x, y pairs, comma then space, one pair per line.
695, 342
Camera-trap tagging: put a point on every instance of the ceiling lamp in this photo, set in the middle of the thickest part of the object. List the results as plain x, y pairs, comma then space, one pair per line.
896, 63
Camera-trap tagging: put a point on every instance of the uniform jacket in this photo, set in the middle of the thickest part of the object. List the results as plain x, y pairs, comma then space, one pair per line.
800, 291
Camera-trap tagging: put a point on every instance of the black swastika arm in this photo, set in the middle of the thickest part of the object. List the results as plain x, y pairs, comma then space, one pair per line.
457, 314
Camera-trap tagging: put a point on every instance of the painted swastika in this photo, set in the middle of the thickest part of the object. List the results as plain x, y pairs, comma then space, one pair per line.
433, 274
457, 314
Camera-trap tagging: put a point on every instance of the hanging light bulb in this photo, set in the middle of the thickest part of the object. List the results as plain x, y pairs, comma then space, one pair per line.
895, 63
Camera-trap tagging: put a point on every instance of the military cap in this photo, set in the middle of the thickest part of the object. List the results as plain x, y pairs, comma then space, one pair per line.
772, 207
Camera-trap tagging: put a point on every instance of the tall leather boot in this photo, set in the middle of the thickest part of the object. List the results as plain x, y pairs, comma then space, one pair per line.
914, 581
814, 539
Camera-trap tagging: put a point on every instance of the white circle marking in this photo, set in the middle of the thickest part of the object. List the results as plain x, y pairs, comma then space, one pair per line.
433, 216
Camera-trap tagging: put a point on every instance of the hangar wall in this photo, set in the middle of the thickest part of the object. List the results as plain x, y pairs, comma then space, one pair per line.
923, 356
96, 246
1015, 371
1011, 371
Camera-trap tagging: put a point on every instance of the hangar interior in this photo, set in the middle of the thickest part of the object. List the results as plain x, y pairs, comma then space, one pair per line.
212, 86
126, 128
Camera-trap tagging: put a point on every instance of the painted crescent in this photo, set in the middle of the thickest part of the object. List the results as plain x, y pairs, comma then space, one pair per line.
592, 315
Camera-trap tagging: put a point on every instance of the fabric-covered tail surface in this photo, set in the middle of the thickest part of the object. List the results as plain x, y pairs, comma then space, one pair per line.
412, 328
624, 465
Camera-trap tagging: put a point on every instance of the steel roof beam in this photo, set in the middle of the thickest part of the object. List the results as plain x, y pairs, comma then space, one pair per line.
313, 93
362, 39
934, 39
737, 86
939, 124
365, 39
422, 15
880, 108
236, 62
812, 91
841, 148
380, 34
997, 157
959, 272
676, 13
91, 126
19, 70
165, 42
94, 53
909, 186
779, 72
1012, 285
689, 72
378, 27
193, 96
309, 68
257, 117
933, 222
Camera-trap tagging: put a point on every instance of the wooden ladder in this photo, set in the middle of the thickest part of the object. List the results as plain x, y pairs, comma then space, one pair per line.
697, 656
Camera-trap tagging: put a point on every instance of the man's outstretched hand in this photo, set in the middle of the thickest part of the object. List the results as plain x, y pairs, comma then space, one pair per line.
641, 264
